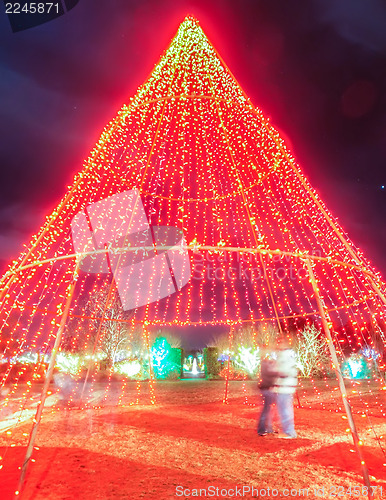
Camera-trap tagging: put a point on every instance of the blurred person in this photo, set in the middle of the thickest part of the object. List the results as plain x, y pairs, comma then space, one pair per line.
65, 384
268, 375
285, 387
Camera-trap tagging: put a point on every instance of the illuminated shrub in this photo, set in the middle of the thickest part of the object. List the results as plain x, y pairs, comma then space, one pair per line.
247, 360
67, 362
166, 361
130, 369
356, 367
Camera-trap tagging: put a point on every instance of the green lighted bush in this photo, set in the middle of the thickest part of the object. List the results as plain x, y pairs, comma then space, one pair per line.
166, 360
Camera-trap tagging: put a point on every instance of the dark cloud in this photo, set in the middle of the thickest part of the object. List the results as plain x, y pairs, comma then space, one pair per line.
16, 221
357, 21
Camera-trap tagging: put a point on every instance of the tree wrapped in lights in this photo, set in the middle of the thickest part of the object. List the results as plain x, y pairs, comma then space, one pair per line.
207, 164
311, 352
112, 333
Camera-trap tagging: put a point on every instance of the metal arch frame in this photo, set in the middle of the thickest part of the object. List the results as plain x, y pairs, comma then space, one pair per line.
303, 256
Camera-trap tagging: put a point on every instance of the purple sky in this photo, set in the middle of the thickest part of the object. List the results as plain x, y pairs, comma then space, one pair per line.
316, 67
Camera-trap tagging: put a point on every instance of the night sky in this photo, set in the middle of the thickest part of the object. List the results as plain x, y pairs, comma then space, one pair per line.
317, 68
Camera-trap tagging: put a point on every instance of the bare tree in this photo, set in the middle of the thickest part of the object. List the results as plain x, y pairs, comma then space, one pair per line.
267, 335
221, 342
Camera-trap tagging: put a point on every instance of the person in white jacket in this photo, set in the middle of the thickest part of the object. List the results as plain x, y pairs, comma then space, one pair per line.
285, 387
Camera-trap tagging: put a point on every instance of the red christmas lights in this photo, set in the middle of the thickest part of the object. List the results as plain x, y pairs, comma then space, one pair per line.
206, 161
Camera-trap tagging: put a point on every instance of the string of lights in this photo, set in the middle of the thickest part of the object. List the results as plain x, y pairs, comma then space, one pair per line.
205, 161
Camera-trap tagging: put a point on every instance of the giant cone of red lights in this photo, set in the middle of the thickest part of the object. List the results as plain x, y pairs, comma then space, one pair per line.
206, 161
